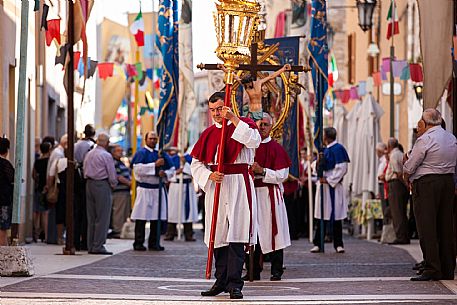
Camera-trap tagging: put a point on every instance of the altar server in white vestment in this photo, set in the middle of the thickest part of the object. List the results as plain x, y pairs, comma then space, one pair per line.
271, 168
236, 225
335, 200
147, 167
189, 201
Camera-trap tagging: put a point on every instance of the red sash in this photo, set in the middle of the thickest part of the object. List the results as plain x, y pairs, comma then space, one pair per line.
271, 192
243, 169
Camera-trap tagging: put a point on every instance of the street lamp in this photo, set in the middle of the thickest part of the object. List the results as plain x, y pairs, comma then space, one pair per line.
365, 9
419, 89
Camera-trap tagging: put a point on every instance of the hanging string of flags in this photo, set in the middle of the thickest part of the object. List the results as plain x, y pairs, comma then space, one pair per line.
401, 69
105, 70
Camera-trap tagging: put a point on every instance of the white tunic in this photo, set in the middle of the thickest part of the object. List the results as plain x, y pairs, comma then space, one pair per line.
146, 205
173, 198
233, 221
334, 178
264, 216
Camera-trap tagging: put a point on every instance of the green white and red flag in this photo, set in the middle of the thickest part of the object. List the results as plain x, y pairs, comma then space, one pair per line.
137, 29
392, 21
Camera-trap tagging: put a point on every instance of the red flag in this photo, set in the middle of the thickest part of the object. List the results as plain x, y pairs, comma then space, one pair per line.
330, 79
377, 79
416, 73
76, 56
105, 70
131, 70
346, 96
392, 21
53, 31
139, 37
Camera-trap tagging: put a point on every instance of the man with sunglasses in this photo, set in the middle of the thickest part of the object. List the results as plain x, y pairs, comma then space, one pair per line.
430, 168
236, 225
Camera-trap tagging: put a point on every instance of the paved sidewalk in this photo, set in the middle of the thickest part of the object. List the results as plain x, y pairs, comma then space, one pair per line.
367, 273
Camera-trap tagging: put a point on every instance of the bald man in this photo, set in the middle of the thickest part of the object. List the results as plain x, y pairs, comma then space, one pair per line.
271, 168
430, 168
101, 177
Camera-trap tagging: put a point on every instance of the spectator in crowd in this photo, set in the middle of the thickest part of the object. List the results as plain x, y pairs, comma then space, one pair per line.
121, 193
335, 165
381, 150
49, 139
82, 147
37, 148
398, 192
431, 168
40, 204
6, 191
101, 178
57, 153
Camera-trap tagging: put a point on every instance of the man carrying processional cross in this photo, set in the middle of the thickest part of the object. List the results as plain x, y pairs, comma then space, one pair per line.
237, 213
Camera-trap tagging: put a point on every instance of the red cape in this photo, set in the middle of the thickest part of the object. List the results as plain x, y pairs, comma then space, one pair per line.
206, 147
272, 155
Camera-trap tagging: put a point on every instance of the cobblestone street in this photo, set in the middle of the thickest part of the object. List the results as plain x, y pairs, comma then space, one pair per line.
367, 273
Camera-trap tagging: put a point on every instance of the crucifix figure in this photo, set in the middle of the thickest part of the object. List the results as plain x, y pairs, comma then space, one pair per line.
253, 88
250, 83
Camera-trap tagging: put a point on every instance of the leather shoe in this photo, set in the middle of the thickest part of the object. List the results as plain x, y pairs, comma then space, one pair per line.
256, 277
423, 278
139, 248
101, 252
275, 277
213, 291
236, 293
156, 248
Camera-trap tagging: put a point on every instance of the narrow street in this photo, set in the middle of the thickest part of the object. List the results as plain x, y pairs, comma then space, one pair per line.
367, 273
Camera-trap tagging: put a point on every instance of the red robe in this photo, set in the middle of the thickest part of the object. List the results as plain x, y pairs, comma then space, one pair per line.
206, 147
272, 155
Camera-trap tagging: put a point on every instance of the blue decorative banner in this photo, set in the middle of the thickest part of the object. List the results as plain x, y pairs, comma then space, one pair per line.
318, 53
167, 42
288, 53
